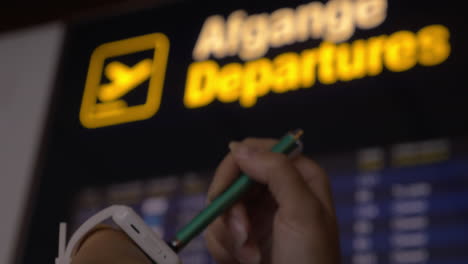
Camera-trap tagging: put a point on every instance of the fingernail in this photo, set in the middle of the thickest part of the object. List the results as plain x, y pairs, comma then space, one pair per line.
237, 227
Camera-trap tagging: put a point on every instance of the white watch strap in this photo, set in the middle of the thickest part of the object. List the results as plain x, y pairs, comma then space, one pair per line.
65, 250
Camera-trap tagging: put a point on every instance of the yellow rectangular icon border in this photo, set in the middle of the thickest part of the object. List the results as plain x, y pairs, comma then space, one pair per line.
157, 41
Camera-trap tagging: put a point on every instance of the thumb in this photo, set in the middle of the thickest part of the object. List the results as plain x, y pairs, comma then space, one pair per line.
280, 175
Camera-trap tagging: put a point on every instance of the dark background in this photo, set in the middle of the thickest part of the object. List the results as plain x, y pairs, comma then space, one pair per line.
15, 15
421, 103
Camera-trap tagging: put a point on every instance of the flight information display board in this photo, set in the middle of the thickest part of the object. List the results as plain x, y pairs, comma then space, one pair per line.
146, 102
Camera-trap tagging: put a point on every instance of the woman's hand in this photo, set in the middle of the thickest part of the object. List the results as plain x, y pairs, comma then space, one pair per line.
288, 218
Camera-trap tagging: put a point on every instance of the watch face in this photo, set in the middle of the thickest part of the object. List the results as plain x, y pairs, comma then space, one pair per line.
144, 237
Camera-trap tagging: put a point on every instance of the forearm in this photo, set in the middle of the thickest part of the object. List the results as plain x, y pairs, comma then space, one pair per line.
107, 245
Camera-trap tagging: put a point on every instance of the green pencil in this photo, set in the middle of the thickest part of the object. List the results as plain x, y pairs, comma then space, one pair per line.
226, 199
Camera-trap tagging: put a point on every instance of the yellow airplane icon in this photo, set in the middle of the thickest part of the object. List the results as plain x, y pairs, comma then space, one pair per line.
123, 79
104, 104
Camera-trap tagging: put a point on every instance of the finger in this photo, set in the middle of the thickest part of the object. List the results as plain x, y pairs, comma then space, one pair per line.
311, 172
238, 224
249, 253
225, 174
218, 251
228, 233
283, 179
317, 180
244, 244
228, 170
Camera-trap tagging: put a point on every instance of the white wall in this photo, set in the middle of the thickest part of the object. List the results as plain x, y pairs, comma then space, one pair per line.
28, 60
